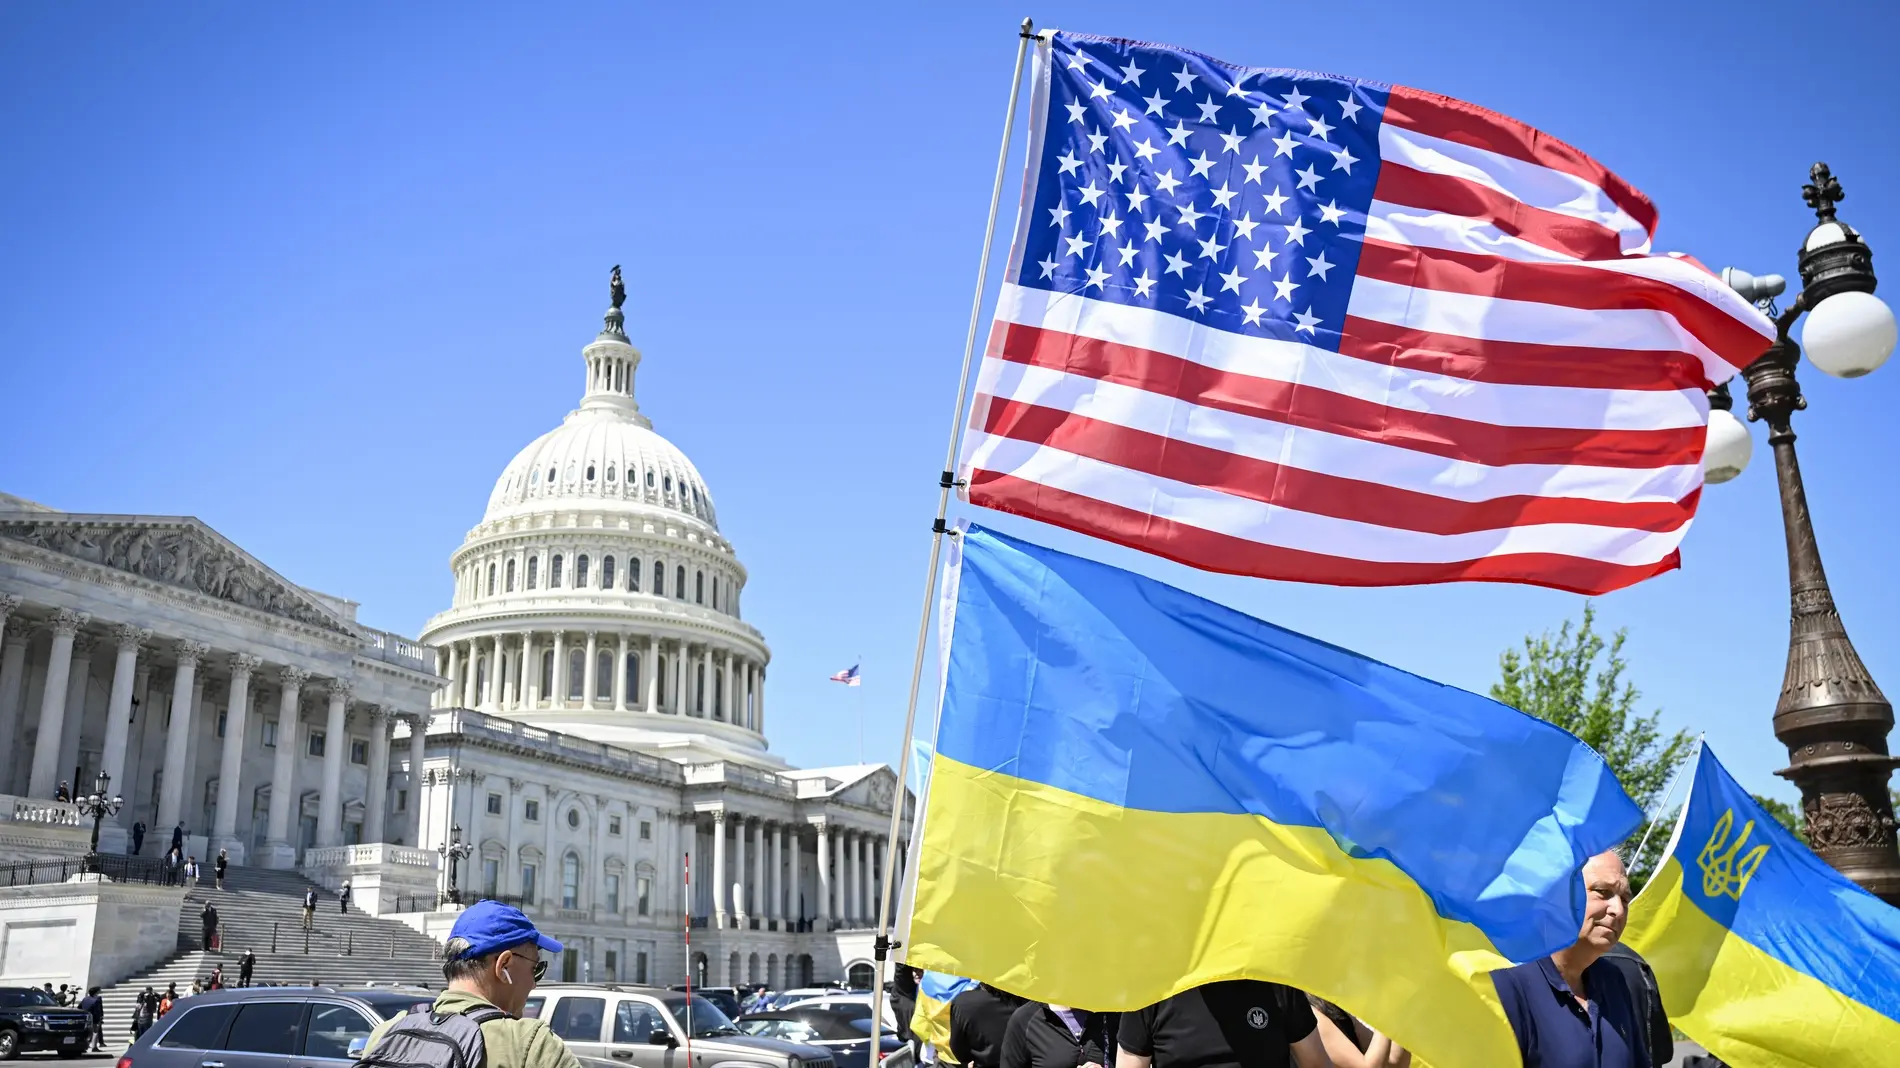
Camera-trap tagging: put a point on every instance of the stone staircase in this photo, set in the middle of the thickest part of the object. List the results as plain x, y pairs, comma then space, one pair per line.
262, 910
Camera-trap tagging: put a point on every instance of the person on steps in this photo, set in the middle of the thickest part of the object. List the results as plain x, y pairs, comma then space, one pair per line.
224, 861
209, 917
310, 910
343, 898
94, 1007
245, 964
138, 837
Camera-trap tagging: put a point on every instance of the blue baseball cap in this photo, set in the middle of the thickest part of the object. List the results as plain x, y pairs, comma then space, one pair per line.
488, 926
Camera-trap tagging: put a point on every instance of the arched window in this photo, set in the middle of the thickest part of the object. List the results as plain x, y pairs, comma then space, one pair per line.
491, 580
668, 482
550, 476
606, 572
679, 582
633, 677
580, 572
481, 678
576, 665
570, 881
610, 472
715, 596
554, 573
534, 568
699, 587
604, 676
590, 472
649, 478
547, 672
633, 574
659, 579
719, 694
508, 586
659, 683
699, 688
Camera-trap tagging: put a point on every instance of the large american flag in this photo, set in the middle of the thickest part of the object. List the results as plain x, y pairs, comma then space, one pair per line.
1307, 327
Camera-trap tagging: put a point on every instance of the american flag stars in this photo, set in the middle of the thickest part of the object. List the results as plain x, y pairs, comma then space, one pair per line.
1234, 197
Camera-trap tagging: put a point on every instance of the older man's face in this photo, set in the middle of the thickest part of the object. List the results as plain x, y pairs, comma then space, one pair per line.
1606, 909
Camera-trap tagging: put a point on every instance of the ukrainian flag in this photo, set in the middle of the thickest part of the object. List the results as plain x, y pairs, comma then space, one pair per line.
1765, 954
930, 1022
1137, 791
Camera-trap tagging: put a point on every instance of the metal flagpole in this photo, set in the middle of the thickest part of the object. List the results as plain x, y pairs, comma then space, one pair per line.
1663, 805
945, 483
686, 869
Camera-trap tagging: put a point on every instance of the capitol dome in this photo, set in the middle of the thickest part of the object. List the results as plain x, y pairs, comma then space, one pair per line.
597, 596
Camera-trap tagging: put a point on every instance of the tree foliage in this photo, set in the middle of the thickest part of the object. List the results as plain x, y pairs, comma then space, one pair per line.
1576, 680
1787, 815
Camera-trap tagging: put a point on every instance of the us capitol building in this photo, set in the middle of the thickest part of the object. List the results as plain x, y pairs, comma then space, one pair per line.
583, 723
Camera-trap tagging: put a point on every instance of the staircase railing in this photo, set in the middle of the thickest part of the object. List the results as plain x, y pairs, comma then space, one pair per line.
119, 869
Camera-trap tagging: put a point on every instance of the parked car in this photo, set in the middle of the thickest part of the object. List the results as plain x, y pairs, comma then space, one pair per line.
847, 1035
270, 1027
726, 997
31, 1019
787, 998
647, 1027
850, 1001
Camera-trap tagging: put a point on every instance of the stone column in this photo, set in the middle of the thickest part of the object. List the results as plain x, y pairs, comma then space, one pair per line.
733, 713
559, 680
867, 899
470, 698
119, 707
760, 868
719, 868
418, 756
497, 675
171, 797
231, 761
822, 912
681, 705
59, 668
848, 909
704, 698
740, 830
446, 697
335, 744
589, 681
376, 790
279, 850
14, 634
77, 684
758, 703
651, 674
792, 909
531, 665
620, 675
689, 846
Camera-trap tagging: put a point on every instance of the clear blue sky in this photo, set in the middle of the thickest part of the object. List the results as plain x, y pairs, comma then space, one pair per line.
314, 273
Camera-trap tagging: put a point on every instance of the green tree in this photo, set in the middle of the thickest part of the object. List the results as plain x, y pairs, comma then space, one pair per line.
1576, 680
1788, 815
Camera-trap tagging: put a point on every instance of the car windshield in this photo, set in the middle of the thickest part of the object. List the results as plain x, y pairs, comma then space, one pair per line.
25, 997
391, 1007
707, 1020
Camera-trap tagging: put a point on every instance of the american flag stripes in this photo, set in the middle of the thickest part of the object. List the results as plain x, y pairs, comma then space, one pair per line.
1305, 327
849, 676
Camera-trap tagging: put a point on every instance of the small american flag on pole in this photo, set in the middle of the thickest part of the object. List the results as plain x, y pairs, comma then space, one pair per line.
1299, 326
849, 676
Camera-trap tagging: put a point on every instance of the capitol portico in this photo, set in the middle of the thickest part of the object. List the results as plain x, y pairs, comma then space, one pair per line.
585, 721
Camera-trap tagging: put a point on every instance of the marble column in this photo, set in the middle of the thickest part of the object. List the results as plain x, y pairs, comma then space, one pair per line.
14, 635
719, 868
733, 713
703, 700
78, 685
125, 678
418, 756
531, 666
620, 674
446, 698
279, 850
376, 796
760, 868
740, 831
822, 912
652, 677
471, 677
171, 796
497, 675
867, 900
689, 845
681, 705
231, 761
792, 909
848, 910
59, 668
758, 703
558, 692
589, 681
775, 889
336, 744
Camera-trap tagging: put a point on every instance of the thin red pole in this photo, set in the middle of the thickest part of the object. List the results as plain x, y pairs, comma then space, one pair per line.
687, 862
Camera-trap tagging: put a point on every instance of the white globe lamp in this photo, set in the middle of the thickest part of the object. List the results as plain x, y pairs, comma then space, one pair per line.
1849, 334
1727, 449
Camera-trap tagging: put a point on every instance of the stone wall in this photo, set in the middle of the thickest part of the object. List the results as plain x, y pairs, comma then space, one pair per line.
86, 932
383, 878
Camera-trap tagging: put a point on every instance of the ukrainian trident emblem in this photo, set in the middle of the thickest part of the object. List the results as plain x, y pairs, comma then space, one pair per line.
1725, 868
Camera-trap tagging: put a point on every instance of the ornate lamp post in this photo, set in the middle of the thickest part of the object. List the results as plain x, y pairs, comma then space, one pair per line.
1831, 715
452, 852
99, 804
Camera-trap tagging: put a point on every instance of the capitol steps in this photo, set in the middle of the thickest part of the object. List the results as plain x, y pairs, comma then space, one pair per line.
350, 949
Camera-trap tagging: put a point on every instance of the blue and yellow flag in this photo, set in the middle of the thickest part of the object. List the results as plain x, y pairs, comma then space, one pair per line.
1765, 954
930, 1022
1137, 791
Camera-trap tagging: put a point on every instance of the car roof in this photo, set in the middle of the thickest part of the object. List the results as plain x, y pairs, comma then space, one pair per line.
802, 1014
610, 988
374, 993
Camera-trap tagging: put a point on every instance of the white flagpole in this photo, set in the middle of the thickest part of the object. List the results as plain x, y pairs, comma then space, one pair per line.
945, 484
1695, 754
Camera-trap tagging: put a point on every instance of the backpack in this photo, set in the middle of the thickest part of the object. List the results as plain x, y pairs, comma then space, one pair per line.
434, 1040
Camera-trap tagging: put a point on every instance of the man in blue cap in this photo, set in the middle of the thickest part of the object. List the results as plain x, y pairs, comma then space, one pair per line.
491, 961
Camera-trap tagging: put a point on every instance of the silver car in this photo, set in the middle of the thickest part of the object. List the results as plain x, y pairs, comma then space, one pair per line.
268, 1027
645, 1027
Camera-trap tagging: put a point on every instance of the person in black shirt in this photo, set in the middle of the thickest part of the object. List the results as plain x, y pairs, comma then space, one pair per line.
94, 1007
1055, 1036
1350, 1043
138, 837
979, 1018
1238, 1023
245, 964
904, 1003
224, 861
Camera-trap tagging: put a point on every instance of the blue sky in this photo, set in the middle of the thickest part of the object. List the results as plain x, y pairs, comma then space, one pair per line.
315, 273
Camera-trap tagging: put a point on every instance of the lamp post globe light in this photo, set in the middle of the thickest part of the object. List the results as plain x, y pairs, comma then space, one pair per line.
1831, 715
452, 852
98, 805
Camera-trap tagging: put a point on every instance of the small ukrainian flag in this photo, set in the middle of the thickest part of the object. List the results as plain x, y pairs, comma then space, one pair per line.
1765, 954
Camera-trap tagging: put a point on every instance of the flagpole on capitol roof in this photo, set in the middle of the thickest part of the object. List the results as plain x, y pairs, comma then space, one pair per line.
945, 484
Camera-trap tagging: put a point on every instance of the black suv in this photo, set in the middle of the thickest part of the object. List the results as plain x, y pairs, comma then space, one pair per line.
32, 1019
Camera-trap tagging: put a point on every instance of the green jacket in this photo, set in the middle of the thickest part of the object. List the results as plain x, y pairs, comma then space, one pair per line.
510, 1043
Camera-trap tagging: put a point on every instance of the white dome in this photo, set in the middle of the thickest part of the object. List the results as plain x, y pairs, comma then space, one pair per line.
599, 460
